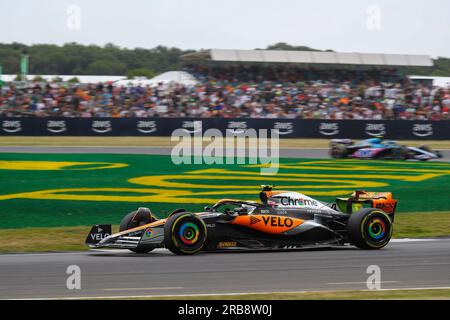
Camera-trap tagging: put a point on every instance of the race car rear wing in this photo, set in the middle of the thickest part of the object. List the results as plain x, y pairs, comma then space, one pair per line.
362, 199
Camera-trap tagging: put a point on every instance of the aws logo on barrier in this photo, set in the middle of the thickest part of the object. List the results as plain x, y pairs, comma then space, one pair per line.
375, 129
329, 129
237, 127
192, 126
101, 126
284, 127
56, 126
422, 130
11, 126
146, 126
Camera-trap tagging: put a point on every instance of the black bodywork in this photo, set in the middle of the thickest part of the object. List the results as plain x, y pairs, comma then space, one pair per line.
233, 224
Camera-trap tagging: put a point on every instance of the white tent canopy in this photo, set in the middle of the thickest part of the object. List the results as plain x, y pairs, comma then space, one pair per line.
180, 77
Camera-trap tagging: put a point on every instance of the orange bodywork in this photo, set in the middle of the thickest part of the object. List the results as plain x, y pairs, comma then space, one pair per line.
267, 223
387, 205
274, 193
380, 200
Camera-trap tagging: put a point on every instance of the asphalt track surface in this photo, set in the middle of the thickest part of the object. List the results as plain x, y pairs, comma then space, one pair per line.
284, 153
119, 273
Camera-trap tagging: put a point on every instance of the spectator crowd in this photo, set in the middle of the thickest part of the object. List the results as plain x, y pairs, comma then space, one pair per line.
237, 93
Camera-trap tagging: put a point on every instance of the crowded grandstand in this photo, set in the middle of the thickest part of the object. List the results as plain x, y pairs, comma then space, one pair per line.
247, 84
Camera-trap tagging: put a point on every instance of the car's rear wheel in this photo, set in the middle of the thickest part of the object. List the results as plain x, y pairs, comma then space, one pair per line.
128, 222
369, 228
338, 152
400, 153
184, 233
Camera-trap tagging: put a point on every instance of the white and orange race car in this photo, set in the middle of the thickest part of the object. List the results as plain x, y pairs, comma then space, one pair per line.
283, 219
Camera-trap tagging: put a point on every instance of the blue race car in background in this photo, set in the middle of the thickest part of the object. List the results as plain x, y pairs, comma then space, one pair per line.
378, 148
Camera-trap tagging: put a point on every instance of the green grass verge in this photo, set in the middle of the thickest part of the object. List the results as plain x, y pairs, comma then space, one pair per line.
422, 225
411, 225
43, 239
431, 294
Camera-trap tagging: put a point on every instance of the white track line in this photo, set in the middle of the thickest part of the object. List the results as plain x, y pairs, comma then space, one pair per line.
408, 240
143, 289
360, 282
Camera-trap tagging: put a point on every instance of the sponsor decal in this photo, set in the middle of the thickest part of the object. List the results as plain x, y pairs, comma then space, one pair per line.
11, 126
56, 126
103, 126
254, 220
237, 127
152, 235
368, 152
273, 224
135, 233
422, 130
284, 127
192, 126
148, 234
329, 129
227, 244
99, 236
375, 129
288, 201
386, 206
277, 221
146, 126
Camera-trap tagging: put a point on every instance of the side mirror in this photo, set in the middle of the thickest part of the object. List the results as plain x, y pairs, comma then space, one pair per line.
207, 208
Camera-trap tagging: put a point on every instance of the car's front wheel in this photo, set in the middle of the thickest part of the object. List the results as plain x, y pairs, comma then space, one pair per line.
369, 228
135, 219
184, 233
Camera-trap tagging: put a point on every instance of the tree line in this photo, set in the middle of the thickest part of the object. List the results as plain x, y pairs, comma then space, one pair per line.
78, 59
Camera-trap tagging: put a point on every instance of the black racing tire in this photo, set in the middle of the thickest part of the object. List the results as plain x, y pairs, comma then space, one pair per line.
128, 223
184, 233
425, 148
397, 154
333, 153
338, 152
369, 228
400, 154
